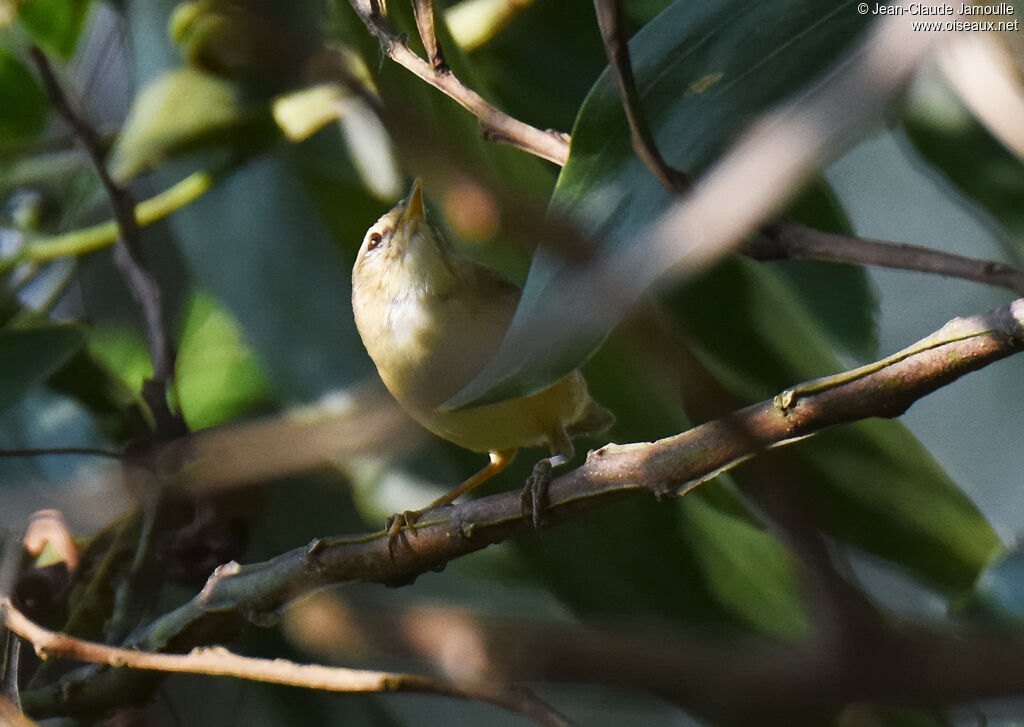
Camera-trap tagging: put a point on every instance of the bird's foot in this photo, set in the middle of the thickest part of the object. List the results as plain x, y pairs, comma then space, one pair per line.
534, 498
394, 524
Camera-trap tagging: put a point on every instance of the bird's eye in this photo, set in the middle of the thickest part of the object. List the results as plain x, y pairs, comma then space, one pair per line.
375, 239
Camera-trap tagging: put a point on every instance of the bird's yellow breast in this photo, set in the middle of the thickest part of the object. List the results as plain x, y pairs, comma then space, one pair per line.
430, 321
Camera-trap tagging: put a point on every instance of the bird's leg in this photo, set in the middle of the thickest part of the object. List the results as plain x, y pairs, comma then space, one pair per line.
535, 492
534, 497
499, 460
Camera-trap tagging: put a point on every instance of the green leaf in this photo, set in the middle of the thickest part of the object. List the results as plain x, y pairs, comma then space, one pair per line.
123, 353
29, 356
705, 71
257, 244
217, 376
874, 486
25, 109
946, 135
55, 24
880, 490
840, 297
747, 569
183, 110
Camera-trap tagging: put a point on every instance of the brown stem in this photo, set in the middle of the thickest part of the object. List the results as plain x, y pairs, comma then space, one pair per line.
495, 124
794, 241
609, 18
217, 661
127, 257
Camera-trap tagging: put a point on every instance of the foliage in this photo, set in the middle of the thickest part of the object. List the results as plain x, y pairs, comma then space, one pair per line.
254, 279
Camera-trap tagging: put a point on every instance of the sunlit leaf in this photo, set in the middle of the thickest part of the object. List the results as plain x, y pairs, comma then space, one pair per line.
180, 111
217, 376
705, 71
747, 569
29, 356
55, 24
874, 485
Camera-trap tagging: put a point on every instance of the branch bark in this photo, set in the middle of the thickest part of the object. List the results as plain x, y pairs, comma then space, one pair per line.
217, 661
496, 125
673, 466
794, 241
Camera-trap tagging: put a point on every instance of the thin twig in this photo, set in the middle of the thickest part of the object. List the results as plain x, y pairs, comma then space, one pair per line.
794, 241
496, 125
46, 451
11, 558
616, 47
217, 661
127, 257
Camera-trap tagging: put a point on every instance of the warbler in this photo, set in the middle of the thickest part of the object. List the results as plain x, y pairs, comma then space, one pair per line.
430, 319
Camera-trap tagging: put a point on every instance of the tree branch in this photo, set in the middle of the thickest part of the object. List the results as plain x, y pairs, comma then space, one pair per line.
496, 125
127, 257
217, 661
616, 47
673, 466
794, 241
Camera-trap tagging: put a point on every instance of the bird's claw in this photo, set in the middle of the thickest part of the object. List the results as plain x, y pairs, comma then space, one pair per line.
535, 492
394, 524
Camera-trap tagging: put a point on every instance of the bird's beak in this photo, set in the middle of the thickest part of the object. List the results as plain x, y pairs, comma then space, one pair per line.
413, 207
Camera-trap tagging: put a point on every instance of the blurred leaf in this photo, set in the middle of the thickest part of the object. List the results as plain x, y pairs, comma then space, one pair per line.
947, 136
1000, 589
873, 484
705, 71
25, 108
217, 377
55, 24
256, 243
113, 406
727, 570
122, 351
29, 356
747, 569
840, 297
881, 490
180, 111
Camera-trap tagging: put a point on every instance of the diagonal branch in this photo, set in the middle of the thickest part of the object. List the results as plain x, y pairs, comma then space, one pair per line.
616, 47
218, 661
127, 257
235, 594
496, 125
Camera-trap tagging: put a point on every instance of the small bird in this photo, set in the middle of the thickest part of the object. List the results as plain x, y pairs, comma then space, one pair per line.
430, 320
